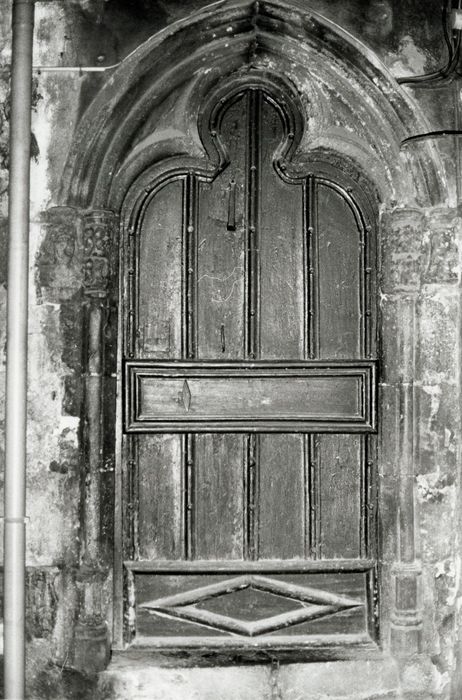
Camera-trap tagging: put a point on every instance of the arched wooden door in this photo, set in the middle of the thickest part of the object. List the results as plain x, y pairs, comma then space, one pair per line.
249, 395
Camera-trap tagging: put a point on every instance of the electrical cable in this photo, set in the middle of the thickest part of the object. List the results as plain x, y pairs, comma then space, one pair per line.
439, 78
431, 135
448, 73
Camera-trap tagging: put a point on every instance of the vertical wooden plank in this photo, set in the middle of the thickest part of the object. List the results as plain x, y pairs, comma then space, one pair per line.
219, 494
339, 464
220, 284
160, 533
341, 263
218, 507
156, 513
281, 251
281, 497
160, 276
282, 256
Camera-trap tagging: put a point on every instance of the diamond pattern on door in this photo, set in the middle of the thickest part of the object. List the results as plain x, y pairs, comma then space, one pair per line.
311, 604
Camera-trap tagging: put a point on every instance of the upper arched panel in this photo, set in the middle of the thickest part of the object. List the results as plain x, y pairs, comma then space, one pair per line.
255, 254
148, 110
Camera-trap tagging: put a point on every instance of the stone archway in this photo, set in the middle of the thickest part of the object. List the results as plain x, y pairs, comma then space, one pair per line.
117, 147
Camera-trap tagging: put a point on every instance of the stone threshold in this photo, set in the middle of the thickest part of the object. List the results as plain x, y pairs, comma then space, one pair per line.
137, 674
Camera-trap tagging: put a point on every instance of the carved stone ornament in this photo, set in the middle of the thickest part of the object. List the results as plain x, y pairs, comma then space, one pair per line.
98, 251
59, 260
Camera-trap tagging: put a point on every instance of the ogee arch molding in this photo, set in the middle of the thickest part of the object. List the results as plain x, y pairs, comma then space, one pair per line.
147, 110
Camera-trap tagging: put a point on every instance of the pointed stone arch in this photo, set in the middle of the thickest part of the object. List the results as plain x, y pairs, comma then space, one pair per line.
353, 104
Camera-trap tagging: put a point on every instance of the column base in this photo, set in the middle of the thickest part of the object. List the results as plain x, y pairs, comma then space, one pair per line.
405, 640
92, 648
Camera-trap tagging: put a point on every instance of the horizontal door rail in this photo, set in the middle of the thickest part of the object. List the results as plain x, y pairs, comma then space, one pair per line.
208, 566
311, 647
196, 396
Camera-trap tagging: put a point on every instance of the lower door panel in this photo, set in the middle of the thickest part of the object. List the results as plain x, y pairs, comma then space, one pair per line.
260, 608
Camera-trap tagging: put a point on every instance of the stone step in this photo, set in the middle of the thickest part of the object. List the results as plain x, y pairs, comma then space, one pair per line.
135, 676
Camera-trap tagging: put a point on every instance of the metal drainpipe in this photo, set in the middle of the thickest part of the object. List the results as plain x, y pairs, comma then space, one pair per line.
16, 355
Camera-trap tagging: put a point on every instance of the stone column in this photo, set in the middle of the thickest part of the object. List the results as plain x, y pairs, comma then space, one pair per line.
403, 246
439, 468
92, 634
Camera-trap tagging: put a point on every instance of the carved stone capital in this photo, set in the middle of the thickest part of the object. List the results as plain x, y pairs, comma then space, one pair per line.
99, 251
403, 246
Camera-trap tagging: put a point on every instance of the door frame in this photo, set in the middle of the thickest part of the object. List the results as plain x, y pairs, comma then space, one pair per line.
101, 172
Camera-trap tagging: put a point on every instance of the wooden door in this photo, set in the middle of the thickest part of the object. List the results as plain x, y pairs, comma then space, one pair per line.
249, 394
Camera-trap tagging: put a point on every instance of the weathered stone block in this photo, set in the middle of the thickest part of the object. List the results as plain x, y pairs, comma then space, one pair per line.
438, 432
69, 453
340, 679
438, 345
141, 679
437, 511
403, 250
41, 601
442, 264
138, 677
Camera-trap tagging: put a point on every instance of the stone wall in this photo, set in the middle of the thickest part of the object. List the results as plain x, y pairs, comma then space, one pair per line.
407, 36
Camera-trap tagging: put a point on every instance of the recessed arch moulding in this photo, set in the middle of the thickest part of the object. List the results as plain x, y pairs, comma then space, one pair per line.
147, 111
146, 117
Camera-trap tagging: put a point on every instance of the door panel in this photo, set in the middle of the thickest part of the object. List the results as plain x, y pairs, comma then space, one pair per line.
219, 507
249, 394
340, 273
282, 497
340, 464
281, 245
160, 275
160, 483
198, 607
221, 249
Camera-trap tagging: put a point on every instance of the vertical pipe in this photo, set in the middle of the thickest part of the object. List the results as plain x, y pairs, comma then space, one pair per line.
16, 367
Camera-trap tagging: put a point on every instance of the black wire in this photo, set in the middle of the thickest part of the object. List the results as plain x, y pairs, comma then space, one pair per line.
431, 135
447, 37
448, 75
429, 79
